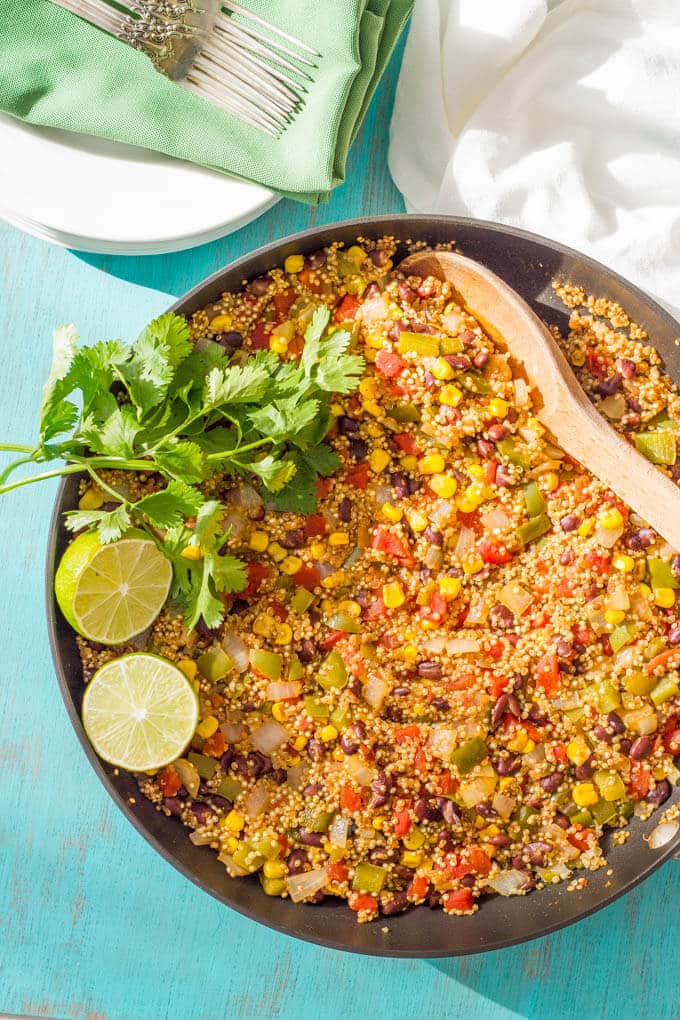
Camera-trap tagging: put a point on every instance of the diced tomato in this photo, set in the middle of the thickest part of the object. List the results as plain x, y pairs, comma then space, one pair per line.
638, 787
581, 839
216, 745
350, 800
405, 733
459, 899
447, 783
461, 683
418, 888
331, 640
498, 686
437, 609
389, 364
490, 469
323, 487
547, 674
559, 753
598, 562
564, 588
420, 763
375, 610
283, 302
259, 338
532, 731
596, 363
671, 735
169, 782
337, 872
347, 308
581, 484
357, 476
256, 575
480, 862
496, 650
402, 822
314, 525
583, 636
606, 645
386, 542
307, 577
662, 659
279, 611
363, 901
493, 552
407, 443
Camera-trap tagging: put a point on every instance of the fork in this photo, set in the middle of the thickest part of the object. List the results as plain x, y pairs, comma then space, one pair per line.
219, 50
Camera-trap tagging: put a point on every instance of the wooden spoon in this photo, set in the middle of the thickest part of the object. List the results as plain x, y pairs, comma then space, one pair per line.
560, 403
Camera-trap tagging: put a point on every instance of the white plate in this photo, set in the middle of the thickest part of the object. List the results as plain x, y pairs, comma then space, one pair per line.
100, 196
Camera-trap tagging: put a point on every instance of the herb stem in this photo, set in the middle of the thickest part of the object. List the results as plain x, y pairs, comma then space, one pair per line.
72, 469
230, 454
15, 448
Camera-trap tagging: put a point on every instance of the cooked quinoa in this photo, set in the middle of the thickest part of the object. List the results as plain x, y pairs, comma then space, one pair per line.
464, 666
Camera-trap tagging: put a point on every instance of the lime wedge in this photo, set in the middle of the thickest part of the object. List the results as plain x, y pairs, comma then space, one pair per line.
110, 593
139, 712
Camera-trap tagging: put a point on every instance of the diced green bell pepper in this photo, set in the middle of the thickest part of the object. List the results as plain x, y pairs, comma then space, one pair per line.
267, 845
526, 816
353, 557
469, 754
214, 664
661, 574
475, 382
204, 765
582, 817
508, 452
229, 788
268, 664
639, 683
418, 343
368, 878
666, 689
533, 500
315, 820
315, 708
604, 811
272, 886
247, 857
344, 622
340, 717
626, 808
655, 647
451, 345
295, 668
333, 672
533, 529
622, 635
574, 715
610, 785
662, 422
659, 447
403, 412
607, 698
301, 600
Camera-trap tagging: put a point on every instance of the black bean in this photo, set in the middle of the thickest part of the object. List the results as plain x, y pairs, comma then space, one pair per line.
430, 381
405, 292
535, 852
358, 449
174, 805
563, 647
432, 536
610, 386
294, 538
380, 790
306, 650
441, 704
552, 782
372, 290
641, 748
501, 616
204, 631
570, 522
403, 873
227, 758
615, 722
500, 839
497, 432
420, 808
345, 509
434, 899
625, 745
647, 537
486, 449
259, 764
535, 715
240, 764
499, 710
310, 838
315, 749
458, 361
201, 811
563, 821
399, 483
393, 903
430, 670
674, 634
503, 477
660, 793
449, 812
675, 566
279, 776
260, 285
528, 884
602, 734
355, 687
414, 485
514, 706
567, 557
626, 367
507, 764
585, 770
220, 802
313, 788
347, 426
467, 881
230, 341
109, 505
400, 692
481, 358
486, 810
296, 862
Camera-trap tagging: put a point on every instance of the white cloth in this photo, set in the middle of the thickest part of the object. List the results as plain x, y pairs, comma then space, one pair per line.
563, 121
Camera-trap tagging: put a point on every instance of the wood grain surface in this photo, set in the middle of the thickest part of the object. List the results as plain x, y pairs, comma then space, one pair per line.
93, 924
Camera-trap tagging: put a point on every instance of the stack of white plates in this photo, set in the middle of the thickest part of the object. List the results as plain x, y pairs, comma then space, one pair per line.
99, 196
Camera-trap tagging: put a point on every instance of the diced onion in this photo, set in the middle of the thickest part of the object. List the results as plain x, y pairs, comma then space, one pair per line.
504, 805
516, 598
434, 557
641, 720
435, 643
375, 691
237, 650
476, 790
607, 537
383, 494
233, 869
465, 543
296, 776
359, 770
663, 834
235, 522
617, 596
279, 691
443, 742
507, 883
559, 869
666, 551
258, 799
248, 497
477, 613
640, 605
372, 309
233, 731
337, 834
189, 776
461, 646
547, 465
496, 519
535, 756
303, 886
443, 512
269, 736
201, 839
521, 392
613, 407
573, 701
625, 658
452, 321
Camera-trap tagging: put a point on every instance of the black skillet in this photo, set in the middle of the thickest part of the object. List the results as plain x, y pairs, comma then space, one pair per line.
528, 263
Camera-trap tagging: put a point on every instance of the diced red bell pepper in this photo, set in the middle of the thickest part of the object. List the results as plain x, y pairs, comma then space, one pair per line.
357, 476
606, 645
314, 525
216, 745
387, 542
420, 763
259, 338
447, 783
459, 899
350, 800
498, 686
581, 839
471, 520
418, 888
407, 443
307, 577
437, 609
169, 782
402, 822
337, 872
331, 640
363, 901
490, 469
597, 562
279, 611
404, 733
559, 753
256, 575
638, 787
547, 673
493, 552
583, 636
283, 302
496, 650
347, 308
389, 364
671, 735
375, 610
480, 862
323, 487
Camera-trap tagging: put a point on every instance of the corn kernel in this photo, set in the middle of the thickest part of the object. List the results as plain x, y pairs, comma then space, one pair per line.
371, 407
585, 794
450, 395
191, 552
411, 859
328, 733
206, 728
578, 357
258, 540
369, 355
189, 668
263, 624
443, 485
409, 462
337, 409
338, 754
335, 580
529, 746
475, 472
549, 481
232, 843
431, 464
442, 370
368, 388
278, 344
379, 460
417, 521
283, 635
498, 407
234, 821
518, 742
317, 550
409, 653
506, 783
378, 823
611, 519
294, 263
578, 751
274, 869
393, 595
644, 590
623, 563
91, 499
473, 564
338, 538
300, 743
450, 587
220, 323
535, 426
585, 527
374, 429
276, 551
392, 513
278, 712
350, 608
375, 341
489, 831
614, 616
356, 254
290, 565
664, 597
414, 839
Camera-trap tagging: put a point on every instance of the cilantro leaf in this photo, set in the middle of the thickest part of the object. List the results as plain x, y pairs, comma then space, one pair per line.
237, 384
169, 507
285, 419
340, 375
169, 333
228, 573
323, 459
209, 525
182, 460
313, 334
201, 602
116, 437
109, 524
274, 472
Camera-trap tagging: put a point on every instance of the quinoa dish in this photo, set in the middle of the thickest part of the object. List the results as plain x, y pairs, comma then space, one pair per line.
446, 669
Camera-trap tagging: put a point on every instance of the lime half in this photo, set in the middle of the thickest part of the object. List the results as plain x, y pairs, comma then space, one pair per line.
140, 712
110, 593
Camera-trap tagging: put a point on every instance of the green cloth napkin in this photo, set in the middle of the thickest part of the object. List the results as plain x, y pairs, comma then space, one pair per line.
58, 71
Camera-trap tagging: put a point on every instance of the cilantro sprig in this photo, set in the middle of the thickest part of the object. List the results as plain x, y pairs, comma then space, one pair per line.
187, 412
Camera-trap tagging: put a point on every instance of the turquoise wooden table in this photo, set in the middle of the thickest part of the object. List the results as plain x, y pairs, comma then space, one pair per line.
95, 925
